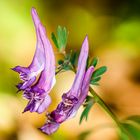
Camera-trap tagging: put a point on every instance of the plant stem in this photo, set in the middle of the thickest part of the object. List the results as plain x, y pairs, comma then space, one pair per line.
98, 100
104, 106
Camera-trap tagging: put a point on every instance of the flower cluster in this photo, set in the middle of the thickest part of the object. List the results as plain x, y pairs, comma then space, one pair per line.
38, 80
36, 90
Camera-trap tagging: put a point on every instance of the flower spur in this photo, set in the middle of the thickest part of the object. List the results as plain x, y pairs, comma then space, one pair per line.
36, 90
38, 93
28, 74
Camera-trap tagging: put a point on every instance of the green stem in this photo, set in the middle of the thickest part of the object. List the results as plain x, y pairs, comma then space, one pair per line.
104, 106
109, 112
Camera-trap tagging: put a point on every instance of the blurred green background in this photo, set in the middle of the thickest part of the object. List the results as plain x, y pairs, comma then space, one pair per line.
113, 28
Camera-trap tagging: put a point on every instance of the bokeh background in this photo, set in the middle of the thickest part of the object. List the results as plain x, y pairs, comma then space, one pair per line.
113, 28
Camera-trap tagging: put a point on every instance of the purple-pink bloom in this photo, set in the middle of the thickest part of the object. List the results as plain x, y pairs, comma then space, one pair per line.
73, 99
36, 91
28, 74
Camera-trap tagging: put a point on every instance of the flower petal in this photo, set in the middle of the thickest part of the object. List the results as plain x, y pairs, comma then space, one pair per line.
28, 74
82, 61
84, 91
38, 59
47, 77
86, 83
44, 104
26, 84
62, 112
38, 105
20, 69
49, 128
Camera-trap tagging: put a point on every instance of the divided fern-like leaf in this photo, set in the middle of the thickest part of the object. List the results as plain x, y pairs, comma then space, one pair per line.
89, 103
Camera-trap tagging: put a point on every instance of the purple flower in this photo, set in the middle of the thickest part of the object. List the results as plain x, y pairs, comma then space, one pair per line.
36, 91
73, 99
28, 74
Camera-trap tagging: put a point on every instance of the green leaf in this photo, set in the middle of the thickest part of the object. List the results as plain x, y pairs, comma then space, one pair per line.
94, 83
54, 40
94, 62
73, 58
67, 67
60, 62
88, 63
85, 112
133, 132
62, 35
68, 56
96, 79
61, 40
88, 98
135, 119
99, 71
83, 135
123, 136
130, 128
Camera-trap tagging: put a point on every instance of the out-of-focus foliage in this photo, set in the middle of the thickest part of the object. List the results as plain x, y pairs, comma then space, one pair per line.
131, 127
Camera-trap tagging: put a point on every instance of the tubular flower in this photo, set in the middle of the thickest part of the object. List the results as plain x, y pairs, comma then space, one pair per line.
28, 74
73, 99
36, 91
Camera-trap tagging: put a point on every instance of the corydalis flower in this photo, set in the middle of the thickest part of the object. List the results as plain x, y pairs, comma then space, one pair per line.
44, 63
28, 74
73, 99
38, 93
